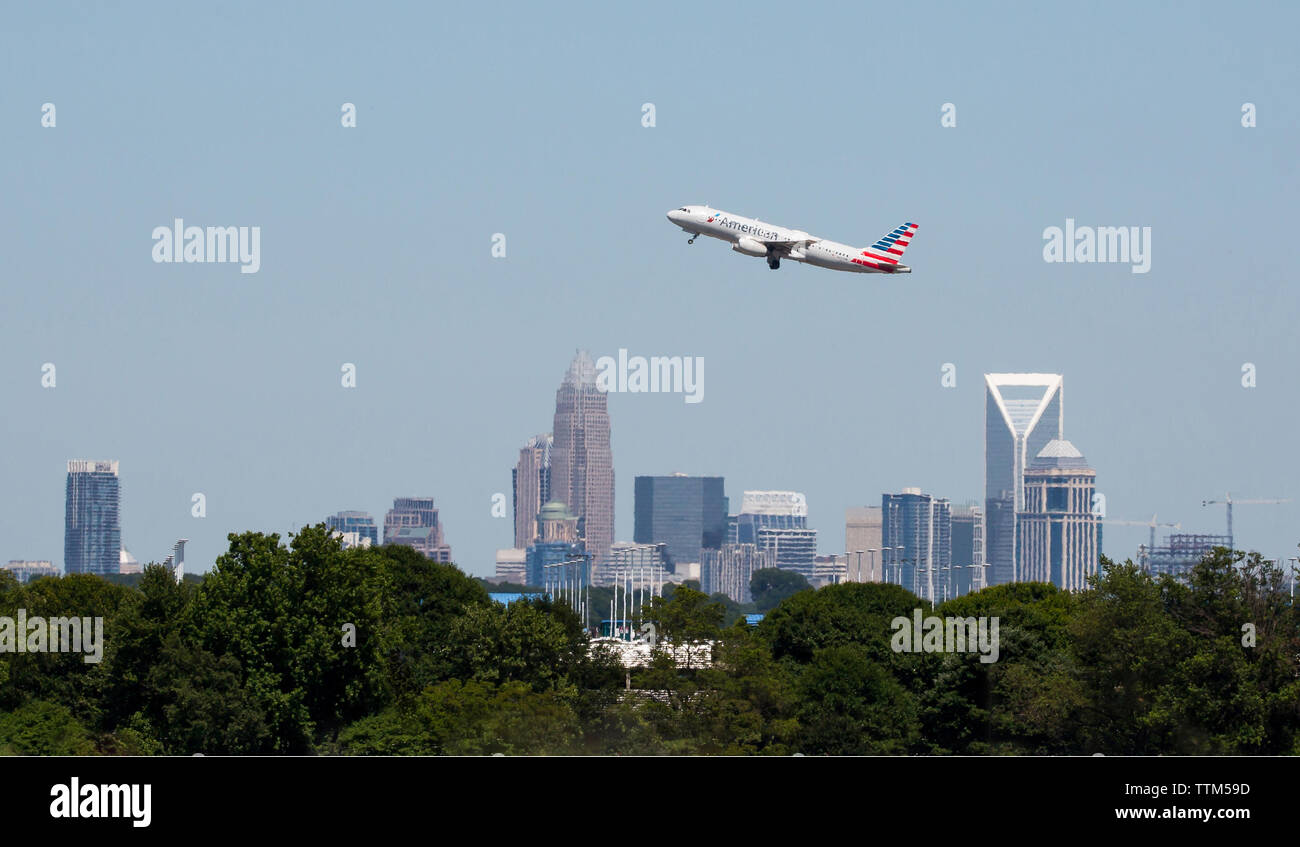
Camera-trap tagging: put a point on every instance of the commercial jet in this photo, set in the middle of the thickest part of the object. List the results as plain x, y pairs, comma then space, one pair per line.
756, 238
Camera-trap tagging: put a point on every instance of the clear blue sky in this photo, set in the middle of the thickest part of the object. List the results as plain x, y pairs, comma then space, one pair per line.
526, 120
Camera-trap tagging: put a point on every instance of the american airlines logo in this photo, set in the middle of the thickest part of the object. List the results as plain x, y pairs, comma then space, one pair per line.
747, 229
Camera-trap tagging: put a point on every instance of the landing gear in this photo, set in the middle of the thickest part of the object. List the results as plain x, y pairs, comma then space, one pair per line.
774, 262
691, 240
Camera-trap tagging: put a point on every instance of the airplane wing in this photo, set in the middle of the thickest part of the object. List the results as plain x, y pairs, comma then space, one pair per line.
798, 239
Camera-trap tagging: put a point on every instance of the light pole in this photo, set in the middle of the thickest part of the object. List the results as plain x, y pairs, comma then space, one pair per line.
871, 554
885, 564
1294, 560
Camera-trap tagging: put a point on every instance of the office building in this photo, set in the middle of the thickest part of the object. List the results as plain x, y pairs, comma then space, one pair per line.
1059, 535
790, 549
770, 509
1023, 412
531, 482
968, 573
917, 542
92, 532
829, 570
512, 566
413, 522
555, 540
687, 514
863, 538
358, 528
582, 461
728, 570
25, 570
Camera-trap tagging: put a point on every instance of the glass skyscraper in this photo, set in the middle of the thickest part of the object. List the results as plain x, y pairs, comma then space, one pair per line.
582, 462
766, 510
922, 526
359, 522
531, 482
1059, 534
92, 531
686, 513
1022, 414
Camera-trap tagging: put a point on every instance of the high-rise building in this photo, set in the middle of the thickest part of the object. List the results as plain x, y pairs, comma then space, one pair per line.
582, 463
360, 523
92, 532
555, 540
921, 526
1059, 534
413, 522
532, 485
729, 570
770, 509
25, 570
967, 549
1022, 413
863, 534
790, 549
687, 514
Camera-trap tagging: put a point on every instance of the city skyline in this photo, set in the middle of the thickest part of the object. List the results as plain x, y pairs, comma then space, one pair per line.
377, 251
1019, 412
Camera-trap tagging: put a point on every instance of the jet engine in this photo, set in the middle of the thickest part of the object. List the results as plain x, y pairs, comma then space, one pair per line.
750, 246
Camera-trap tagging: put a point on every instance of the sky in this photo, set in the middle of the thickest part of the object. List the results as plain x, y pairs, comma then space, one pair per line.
527, 120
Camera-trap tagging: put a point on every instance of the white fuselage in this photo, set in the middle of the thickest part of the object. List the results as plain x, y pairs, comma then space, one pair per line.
759, 238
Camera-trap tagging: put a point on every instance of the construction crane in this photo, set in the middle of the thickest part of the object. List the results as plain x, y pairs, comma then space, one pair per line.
1151, 523
1228, 501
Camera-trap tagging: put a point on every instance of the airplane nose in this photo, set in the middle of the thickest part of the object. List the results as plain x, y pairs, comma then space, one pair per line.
675, 215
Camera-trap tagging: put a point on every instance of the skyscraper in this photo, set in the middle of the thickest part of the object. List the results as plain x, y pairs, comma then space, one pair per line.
413, 522
555, 540
92, 532
532, 486
1022, 413
922, 526
729, 570
1059, 535
686, 513
582, 463
360, 523
789, 549
967, 549
863, 534
770, 509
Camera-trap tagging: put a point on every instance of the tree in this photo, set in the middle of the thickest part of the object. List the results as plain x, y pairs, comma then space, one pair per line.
282, 612
41, 728
769, 586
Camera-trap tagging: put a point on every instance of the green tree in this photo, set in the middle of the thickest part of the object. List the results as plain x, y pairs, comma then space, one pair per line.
769, 586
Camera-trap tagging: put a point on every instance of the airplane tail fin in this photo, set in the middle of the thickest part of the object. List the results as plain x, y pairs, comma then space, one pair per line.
888, 251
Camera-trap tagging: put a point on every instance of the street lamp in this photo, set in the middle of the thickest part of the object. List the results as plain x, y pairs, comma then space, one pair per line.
897, 566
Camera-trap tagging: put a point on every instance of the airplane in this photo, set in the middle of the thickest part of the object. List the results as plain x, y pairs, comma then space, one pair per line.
756, 238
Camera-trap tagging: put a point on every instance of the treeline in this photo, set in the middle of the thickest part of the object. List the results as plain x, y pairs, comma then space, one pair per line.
303, 647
